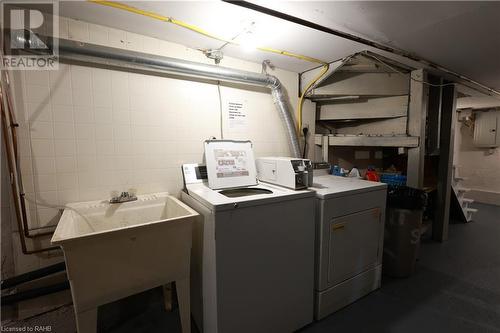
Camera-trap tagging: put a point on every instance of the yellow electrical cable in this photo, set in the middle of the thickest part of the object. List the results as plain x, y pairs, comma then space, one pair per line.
306, 90
158, 17
290, 54
207, 34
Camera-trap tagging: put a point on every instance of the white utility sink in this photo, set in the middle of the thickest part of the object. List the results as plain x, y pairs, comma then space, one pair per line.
116, 250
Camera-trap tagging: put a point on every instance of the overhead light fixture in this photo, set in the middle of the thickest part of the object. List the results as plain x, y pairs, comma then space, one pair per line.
246, 38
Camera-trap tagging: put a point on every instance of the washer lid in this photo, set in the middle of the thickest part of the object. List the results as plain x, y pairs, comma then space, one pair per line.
230, 164
215, 201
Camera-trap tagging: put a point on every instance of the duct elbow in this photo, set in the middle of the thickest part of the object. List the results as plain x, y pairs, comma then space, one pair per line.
273, 82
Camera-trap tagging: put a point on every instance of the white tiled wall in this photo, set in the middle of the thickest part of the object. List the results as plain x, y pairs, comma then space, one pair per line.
86, 132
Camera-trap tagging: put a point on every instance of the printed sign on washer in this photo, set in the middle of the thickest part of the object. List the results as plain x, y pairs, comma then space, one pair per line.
230, 163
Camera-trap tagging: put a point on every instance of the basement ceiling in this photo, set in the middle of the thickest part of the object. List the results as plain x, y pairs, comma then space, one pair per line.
461, 36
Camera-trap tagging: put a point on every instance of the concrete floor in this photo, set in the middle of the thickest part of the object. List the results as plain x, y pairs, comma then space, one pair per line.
456, 288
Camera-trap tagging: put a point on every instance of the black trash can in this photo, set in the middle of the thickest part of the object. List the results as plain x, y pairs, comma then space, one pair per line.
402, 230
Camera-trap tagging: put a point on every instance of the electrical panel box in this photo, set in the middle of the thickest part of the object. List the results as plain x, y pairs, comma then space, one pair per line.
486, 127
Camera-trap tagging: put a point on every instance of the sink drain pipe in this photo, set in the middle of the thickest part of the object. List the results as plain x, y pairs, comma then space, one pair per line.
96, 54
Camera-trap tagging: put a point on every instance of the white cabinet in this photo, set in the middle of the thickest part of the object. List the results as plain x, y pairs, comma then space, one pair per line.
486, 127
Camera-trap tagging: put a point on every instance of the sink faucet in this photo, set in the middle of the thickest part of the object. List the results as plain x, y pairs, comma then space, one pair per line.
124, 197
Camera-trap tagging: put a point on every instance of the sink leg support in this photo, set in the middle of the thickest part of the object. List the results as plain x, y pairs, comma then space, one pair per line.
86, 321
183, 298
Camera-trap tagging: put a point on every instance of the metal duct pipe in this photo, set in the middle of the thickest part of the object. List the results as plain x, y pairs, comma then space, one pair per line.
85, 52
282, 107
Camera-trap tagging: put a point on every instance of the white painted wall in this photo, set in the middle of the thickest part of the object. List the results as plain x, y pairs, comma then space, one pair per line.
479, 165
86, 132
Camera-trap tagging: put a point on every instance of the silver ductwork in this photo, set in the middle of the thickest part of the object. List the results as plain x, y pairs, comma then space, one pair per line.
90, 53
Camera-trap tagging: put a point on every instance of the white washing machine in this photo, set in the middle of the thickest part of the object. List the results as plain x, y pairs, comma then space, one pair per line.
253, 255
350, 215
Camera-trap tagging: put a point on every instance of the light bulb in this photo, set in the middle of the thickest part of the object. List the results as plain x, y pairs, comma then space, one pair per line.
247, 42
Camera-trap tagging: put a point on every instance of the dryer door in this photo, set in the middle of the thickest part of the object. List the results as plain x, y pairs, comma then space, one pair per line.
354, 244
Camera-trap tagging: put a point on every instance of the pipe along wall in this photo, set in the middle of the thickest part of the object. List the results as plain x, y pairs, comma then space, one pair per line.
73, 51
78, 52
